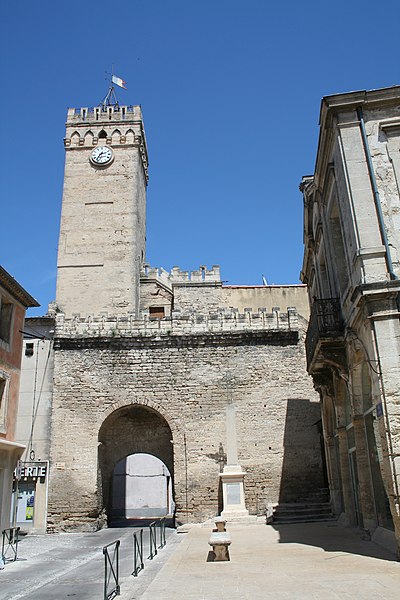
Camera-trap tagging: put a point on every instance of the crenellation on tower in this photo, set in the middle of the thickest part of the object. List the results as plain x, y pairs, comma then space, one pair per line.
178, 324
104, 114
122, 125
202, 275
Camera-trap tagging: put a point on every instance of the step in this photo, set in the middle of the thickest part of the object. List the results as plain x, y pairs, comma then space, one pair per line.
296, 507
302, 513
307, 519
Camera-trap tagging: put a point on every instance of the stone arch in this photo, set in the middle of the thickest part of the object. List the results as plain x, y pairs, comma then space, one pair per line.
125, 431
89, 138
75, 138
122, 403
366, 383
103, 134
116, 136
130, 136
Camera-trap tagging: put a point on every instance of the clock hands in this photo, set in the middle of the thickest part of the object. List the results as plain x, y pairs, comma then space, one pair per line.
101, 155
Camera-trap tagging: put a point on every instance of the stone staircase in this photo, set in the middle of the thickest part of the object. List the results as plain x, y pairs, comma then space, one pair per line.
316, 507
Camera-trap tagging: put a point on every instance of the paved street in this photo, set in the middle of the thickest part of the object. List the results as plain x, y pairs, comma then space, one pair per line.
316, 561
54, 567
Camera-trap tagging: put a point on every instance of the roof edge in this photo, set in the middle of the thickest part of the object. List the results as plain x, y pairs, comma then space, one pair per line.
12, 286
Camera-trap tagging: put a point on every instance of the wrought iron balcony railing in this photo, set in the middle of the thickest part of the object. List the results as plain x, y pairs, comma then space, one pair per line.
326, 323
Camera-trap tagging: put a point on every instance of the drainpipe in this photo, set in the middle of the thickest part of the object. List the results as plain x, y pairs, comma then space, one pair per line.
377, 200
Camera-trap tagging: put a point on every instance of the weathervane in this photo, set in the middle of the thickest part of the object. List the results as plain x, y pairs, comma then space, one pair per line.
110, 98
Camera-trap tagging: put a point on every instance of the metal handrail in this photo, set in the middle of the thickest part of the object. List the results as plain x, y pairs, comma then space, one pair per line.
162, 532
152, 540
111, 570
138, 563
10, 539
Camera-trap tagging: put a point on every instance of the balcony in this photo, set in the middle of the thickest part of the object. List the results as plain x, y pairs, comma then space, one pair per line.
324, 340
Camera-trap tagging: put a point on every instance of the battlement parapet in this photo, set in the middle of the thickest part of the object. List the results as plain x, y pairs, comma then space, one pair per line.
104, 114
177, 277
179, 324
202, 275
156, 273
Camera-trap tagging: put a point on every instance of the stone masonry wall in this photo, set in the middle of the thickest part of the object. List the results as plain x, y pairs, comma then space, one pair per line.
182, 377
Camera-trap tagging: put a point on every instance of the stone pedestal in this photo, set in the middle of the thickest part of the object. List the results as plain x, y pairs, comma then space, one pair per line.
232, 479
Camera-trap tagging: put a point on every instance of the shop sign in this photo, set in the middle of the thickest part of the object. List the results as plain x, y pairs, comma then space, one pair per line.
30, 471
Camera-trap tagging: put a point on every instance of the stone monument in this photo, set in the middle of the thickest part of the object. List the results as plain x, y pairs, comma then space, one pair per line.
232, 476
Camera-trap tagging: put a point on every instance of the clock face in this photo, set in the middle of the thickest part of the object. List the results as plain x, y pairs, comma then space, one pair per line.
102, 155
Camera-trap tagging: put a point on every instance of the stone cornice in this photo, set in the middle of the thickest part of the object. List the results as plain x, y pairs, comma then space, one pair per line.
16, 290
351, 100
242, 338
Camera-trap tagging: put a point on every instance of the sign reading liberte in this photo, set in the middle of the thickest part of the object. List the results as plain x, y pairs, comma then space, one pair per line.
33, 470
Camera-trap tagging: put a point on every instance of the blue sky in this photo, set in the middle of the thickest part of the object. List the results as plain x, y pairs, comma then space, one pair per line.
230, 93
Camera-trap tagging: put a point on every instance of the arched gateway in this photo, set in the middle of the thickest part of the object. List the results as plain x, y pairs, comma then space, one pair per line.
136, 464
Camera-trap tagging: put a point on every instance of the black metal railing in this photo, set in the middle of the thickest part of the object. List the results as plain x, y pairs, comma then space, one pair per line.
10, 539
152, 540
138, 563
325, 322
111, 570
161, 524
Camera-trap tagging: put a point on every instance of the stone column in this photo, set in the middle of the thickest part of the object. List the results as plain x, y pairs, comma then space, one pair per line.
347, 488
364, 474
332, 467
333, 474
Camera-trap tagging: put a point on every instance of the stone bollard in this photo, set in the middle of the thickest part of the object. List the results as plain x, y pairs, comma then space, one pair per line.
220, 523
220, 542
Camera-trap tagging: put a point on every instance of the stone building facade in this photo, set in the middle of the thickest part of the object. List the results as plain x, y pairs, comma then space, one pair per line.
146, 361
14, 301
351, 265
33, 422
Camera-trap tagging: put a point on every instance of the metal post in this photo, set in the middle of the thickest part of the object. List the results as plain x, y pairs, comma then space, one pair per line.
152, 540
162, 532
111, 567
137, 553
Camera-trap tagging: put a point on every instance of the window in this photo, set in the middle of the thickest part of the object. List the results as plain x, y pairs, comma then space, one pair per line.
157, 312
29, 349
4, 377
6, 312
2, 390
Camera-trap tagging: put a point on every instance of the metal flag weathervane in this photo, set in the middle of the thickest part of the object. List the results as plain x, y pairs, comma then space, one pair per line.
110, 98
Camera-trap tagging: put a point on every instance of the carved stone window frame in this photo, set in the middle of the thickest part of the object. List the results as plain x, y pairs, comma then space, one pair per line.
4, 393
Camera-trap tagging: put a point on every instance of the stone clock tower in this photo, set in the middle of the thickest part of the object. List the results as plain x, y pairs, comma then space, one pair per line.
103, 222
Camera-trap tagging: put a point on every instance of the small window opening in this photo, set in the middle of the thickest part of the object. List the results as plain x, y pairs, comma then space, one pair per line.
6, 311
157, 312
29, 349
2, 390
102, 134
